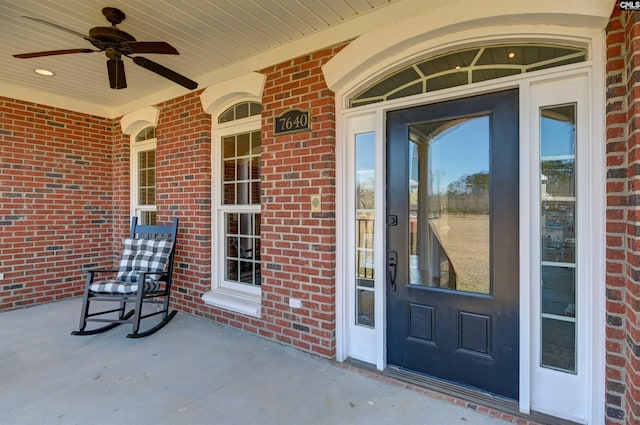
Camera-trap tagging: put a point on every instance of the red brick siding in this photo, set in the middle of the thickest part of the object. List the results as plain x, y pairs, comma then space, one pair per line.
298, 246
623, 235
56, 200
632, 270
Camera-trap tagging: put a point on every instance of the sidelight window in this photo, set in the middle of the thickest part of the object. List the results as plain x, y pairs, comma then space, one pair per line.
558, 237
365, 228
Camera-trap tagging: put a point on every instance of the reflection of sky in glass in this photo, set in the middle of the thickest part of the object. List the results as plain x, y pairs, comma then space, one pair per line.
365, 162
557, 137
365, 151
457, 151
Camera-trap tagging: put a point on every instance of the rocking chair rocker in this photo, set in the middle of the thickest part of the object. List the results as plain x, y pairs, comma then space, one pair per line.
143, 277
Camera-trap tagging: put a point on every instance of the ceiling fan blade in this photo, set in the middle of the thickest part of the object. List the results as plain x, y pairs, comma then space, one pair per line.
52, 53
60, 27
165, 72
152, 47
117, 79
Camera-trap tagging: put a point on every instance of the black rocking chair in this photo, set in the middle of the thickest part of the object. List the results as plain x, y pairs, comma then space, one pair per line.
143, 277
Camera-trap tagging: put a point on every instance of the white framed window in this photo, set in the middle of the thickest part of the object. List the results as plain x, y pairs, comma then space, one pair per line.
143, 175
236, 151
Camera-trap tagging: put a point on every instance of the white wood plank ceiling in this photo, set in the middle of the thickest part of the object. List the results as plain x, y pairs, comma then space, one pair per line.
212, 37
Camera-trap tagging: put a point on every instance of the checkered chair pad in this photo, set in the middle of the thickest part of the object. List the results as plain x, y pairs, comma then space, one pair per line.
119, 287
138, 255
143, 255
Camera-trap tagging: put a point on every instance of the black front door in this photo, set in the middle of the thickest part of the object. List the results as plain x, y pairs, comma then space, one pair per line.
452, 232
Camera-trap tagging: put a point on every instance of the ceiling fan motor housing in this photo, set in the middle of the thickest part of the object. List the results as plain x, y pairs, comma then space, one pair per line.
103, 37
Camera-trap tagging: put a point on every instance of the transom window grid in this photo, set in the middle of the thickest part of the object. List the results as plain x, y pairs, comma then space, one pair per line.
146, 134
240, 111
466, 67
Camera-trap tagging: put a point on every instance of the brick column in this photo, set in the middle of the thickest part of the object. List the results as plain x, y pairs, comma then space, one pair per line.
298, 245
623, 219
183, 158
632, 287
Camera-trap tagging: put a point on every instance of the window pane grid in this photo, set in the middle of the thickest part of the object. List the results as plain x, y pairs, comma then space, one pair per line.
242, 248
147, 178
239, 203
241, 169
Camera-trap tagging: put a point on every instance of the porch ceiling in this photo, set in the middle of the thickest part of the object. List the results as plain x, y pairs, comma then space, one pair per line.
217, 40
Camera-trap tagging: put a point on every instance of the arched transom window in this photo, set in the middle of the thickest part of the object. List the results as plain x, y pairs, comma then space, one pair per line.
468, 66
239, 111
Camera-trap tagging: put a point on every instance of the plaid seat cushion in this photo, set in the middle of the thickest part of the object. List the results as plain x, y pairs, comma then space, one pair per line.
143, 255
119, 287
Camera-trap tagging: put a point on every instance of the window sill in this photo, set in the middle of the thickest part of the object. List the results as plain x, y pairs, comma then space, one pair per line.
244, 304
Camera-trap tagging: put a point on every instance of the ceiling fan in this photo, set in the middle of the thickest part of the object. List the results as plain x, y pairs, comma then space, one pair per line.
116, 43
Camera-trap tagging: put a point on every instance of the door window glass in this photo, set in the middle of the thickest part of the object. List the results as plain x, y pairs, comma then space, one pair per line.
449, 225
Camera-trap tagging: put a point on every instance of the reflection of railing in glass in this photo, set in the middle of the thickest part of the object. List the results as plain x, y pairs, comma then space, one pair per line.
364, 241
365, 270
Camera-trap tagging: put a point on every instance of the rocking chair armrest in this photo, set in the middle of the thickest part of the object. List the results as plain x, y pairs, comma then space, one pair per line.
99, 271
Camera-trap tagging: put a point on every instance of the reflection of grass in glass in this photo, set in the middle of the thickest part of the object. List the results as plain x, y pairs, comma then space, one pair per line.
466, 241
472, 285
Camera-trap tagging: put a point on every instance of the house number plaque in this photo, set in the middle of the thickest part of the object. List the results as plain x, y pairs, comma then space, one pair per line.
293, 121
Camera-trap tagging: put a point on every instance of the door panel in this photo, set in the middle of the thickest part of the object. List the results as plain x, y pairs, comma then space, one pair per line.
452, 234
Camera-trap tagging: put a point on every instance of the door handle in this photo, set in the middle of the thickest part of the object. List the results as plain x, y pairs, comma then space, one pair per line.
392, 268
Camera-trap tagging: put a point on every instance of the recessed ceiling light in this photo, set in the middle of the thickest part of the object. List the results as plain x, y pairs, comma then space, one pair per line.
45, 72
512, 55
458, 67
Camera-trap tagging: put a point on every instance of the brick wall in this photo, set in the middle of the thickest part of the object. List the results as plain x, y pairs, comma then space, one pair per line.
56, 200
66, 203
183, 158
298, 246
623, 219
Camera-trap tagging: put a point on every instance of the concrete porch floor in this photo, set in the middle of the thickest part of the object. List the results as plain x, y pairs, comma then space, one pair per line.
191, 372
